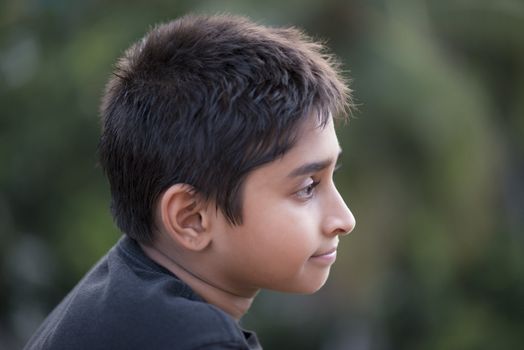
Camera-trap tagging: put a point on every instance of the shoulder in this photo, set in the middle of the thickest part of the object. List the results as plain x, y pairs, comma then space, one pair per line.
194, 324
158, 324
151, 321
182, 324
123, 304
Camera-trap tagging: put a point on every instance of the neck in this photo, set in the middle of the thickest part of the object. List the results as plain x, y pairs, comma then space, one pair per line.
231, 303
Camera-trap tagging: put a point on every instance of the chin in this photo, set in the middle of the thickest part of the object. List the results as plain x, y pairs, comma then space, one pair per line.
309, 286
309, 291
315, 288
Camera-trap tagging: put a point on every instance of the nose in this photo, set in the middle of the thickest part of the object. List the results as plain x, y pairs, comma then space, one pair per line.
339, 220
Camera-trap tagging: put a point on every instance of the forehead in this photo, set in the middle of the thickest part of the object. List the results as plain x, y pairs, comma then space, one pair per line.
316, 139
314, 143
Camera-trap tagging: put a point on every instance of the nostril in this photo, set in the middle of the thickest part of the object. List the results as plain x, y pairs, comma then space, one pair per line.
339, 227
342, 232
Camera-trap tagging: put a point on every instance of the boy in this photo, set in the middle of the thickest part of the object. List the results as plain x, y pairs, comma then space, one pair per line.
219, 146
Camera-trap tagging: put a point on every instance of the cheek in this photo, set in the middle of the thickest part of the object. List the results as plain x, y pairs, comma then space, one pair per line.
286, 232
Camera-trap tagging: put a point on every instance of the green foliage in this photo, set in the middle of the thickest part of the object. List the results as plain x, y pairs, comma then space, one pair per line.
433, 167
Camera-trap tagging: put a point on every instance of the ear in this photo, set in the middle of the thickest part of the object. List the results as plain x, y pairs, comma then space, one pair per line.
184, 217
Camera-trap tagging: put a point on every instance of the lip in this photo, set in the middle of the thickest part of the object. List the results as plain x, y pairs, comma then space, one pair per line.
326, 257
326, 252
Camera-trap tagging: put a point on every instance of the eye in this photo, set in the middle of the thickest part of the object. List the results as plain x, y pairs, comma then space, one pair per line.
308, 191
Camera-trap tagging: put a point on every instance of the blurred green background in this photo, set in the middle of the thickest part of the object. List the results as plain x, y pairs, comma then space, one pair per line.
433, 167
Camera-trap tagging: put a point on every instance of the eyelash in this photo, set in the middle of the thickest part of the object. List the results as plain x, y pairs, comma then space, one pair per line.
307, 192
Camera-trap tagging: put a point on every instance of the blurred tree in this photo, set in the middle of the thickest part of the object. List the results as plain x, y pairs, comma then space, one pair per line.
433, 167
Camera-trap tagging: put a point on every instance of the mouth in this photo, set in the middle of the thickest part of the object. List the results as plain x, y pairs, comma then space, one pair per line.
326, 257
332, 251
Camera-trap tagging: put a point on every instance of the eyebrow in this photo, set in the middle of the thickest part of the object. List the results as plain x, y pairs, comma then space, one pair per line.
313, 167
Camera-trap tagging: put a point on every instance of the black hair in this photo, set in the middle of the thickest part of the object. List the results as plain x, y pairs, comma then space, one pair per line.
204, 100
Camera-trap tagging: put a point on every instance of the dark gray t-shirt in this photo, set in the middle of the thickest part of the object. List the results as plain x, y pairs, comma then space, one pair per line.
127, 301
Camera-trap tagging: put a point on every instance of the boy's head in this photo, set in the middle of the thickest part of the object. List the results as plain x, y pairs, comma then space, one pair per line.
203, 101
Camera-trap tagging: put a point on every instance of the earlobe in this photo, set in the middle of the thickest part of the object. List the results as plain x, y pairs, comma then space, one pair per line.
184, 218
